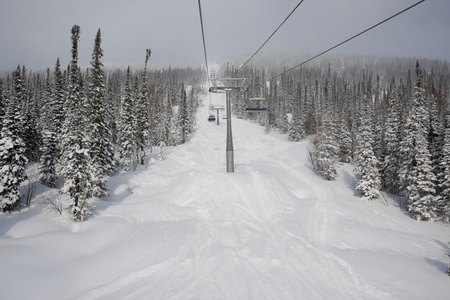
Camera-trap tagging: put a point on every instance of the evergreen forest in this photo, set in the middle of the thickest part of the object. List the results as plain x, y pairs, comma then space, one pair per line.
390, 117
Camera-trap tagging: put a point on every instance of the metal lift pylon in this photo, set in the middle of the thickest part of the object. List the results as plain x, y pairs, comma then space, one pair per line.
228, 85
217, 108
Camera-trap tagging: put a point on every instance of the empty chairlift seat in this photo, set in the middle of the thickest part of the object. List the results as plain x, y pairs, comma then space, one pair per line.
257, 105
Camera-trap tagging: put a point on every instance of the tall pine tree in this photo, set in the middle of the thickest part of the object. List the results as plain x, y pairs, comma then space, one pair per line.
443, 204
368, 178
327, 149
392, 136
77, 168
12, 150
128, 147
99, 134
49, 157
415, 172
183, 117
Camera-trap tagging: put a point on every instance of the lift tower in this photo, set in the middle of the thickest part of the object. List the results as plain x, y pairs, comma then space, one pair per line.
228, 85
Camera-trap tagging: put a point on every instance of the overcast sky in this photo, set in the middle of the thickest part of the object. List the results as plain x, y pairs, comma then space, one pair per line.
35, 33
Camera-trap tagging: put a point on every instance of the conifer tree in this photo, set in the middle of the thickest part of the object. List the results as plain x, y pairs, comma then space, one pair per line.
12, 150
128, 147
183, 117
49, 157
161, 151
76, 165
435, 136
283, 119
296, 130
142, 113
443, 203
368, 178
101, 148
59, 96
160, 127
327, 150
421, 190
30, 115
345, 142
415, 173
392, 136
192, 110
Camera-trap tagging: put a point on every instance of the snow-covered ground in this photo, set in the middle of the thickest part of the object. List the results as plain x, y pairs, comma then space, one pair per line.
183, 228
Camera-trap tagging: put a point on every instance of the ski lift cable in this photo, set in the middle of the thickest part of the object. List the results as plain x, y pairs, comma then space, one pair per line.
270, 35
204, 48
347, 40
203, 37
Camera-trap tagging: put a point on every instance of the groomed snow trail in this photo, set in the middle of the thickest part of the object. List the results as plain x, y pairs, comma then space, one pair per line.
244, 242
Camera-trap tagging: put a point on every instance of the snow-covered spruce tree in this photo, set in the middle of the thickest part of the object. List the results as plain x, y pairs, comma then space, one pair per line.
192, 109
31, 134
283, 123
443, 203
296, 131
327, 149
407, 146
52, 116
416, 180
12, 150
161, 150
167, 119
101, 148
162, 120
174, 136
49, 156
421, 199
142, 116
128, 147
113, 96
49, 159
368, 178
435, 137
345, 142
59, 96
75, 159
160, 127
183, 123
406, 153
392, 136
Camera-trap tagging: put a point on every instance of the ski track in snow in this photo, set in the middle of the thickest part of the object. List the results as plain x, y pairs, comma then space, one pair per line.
240, 248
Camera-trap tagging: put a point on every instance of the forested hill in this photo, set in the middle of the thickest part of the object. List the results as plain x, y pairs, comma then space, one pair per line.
360, 109
390, 116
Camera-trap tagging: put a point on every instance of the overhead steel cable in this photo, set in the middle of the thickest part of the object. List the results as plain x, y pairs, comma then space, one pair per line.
203, 36
347, 40
270, 35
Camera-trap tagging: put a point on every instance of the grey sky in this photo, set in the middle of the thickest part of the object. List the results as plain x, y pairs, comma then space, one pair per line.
35, 33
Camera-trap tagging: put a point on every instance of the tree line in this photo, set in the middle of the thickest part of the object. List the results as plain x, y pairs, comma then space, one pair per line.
82, 125
393, 125
389, 116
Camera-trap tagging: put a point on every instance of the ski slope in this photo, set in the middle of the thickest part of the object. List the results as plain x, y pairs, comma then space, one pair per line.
183, 228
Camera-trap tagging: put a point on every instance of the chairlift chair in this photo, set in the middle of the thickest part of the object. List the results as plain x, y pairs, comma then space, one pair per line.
258, 105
